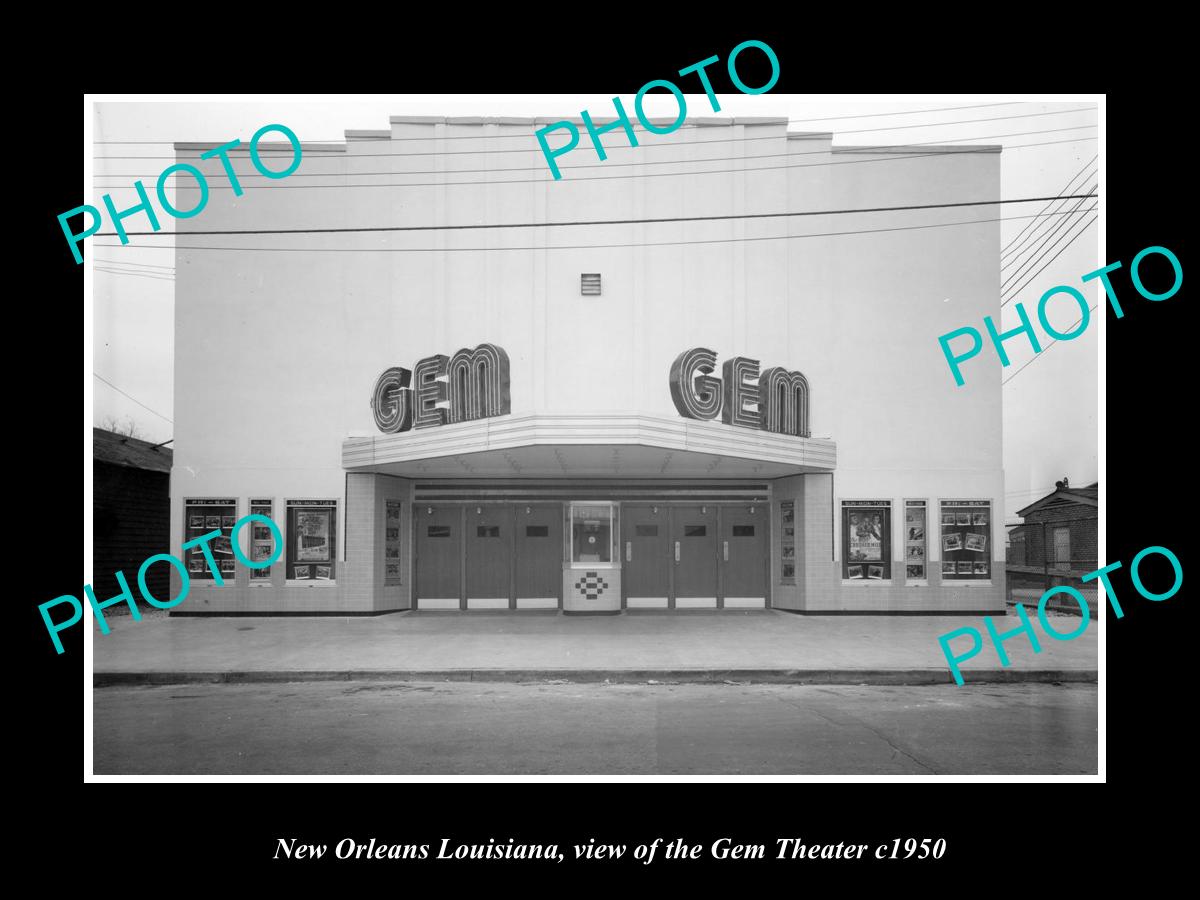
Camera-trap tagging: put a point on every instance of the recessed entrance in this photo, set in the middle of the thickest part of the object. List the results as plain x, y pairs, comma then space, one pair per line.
518, 556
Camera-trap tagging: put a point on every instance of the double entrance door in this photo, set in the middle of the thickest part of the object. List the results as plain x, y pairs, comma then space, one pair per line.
490, 556
694, 557
510, 556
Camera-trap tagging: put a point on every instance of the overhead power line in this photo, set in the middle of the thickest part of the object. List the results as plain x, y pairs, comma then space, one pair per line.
659, 221
778, 237
1033, 235
1054, 112
276, 186
134, 399
607, 165
1032, 259
1010, 246
108, 271
336, 156
907, 112
636, 127
1055, 340
132, 263
1029, 280
537, 149
1043, 353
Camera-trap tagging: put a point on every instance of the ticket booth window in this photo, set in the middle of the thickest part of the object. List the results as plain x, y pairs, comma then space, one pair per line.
592, 534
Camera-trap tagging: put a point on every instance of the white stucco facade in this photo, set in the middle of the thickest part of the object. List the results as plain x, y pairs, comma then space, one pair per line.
280, 338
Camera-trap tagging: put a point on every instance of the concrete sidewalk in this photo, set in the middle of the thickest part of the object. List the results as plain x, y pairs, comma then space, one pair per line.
758, 646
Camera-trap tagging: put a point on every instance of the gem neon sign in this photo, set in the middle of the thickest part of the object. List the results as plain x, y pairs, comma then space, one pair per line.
774, 399
471, 384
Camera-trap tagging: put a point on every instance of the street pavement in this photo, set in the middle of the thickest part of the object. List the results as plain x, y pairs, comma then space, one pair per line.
442, 728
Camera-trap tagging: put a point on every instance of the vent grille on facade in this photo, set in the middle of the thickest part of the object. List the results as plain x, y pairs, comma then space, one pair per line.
589, 285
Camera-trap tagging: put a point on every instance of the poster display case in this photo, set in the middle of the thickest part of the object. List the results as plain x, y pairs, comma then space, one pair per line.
965, 534
916, 544
787, 541
201, 516
311, 540
866, 540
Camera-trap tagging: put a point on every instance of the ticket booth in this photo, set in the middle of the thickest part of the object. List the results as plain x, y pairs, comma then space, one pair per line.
591, 567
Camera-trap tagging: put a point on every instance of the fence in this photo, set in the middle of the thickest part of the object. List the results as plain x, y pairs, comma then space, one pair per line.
1030, 574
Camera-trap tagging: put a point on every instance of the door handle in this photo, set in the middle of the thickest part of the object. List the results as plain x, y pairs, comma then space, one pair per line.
677, 551
629, 551
726, 551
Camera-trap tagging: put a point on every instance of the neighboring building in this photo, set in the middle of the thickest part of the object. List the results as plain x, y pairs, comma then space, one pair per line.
131, 510
556, 417
1015, 554
1056, 543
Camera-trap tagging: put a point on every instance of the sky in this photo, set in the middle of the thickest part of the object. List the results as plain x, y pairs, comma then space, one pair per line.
1050, 399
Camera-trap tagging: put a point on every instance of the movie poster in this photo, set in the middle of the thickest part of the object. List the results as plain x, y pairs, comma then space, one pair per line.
866, 536
312, 535
787, 540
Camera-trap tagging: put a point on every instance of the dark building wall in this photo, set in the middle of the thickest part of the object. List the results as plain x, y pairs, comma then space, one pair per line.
1083, 525
1015, 552
130, 516
1032, 563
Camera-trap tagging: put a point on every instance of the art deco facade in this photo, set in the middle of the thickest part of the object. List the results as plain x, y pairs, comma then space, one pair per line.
707, 403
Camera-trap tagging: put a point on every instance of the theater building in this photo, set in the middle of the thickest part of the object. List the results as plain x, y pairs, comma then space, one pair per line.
704, 404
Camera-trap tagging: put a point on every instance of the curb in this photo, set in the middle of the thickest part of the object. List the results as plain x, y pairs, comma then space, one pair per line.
617, 676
